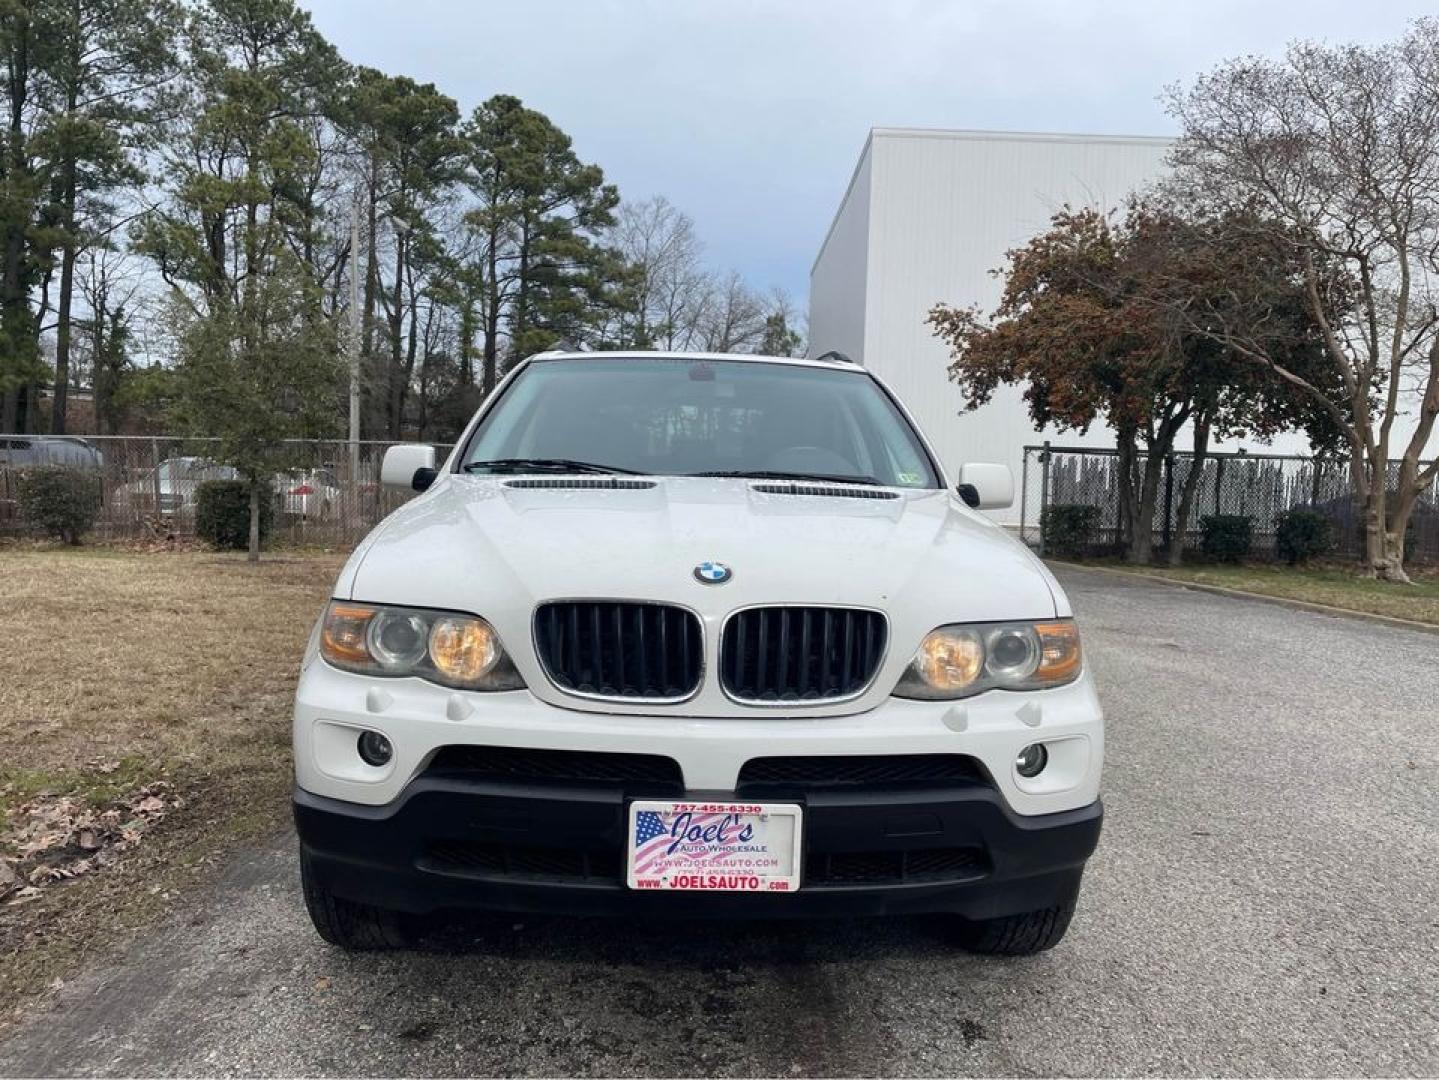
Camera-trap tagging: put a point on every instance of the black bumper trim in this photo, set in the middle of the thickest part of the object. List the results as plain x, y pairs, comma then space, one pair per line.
381, 855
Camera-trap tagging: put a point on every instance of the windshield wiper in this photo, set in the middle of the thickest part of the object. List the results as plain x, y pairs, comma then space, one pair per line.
555, 465
773, 474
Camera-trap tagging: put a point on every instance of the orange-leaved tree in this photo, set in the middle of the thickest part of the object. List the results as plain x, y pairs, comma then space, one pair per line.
1095, 322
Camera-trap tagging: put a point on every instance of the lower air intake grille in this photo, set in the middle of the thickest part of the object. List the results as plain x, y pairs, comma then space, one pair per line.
464, 858
841, 868
617, 649
879, 772
775, 655
522, 765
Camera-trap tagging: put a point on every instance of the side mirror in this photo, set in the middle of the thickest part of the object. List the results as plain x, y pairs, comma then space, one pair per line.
410, 466
985, 486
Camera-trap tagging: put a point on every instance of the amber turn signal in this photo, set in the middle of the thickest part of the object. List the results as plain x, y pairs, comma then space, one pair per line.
342, 639
1059, 651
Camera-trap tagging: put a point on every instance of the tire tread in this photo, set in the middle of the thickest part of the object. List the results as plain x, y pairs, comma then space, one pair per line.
351, 926
1025, 934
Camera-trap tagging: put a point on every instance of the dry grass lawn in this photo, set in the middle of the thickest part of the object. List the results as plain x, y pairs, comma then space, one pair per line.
120, 669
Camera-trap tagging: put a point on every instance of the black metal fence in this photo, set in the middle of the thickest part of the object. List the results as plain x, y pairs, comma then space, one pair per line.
331, 495
1259, 487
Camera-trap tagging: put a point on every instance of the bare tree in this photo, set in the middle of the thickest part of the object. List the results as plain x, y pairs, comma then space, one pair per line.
1334, 153
733, 317
658, 242
108, 285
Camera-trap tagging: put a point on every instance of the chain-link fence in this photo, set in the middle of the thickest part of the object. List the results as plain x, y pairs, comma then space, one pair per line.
331, 494
1075, 491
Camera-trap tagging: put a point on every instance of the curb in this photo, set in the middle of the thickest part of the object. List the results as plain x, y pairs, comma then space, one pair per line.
1264, 598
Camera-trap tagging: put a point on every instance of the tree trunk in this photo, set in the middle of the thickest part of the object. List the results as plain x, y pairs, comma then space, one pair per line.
254, 555
1398, 528
1411, 481
69, 243
62, 316
397, 324
490, 373
14, 295
1141, 541
1383, 550
1186, 493
372, 272
407, 371
520, 320
467, 338
1127, 458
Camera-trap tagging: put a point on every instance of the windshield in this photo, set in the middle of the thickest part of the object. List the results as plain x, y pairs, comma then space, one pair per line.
689, 417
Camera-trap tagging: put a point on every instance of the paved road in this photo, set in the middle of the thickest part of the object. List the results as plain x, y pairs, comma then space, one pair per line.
1265, 900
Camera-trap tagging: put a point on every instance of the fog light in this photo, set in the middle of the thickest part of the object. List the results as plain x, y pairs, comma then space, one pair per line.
1031, 761
374, 749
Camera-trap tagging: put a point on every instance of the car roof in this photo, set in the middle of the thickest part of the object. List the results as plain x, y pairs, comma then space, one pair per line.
653, 354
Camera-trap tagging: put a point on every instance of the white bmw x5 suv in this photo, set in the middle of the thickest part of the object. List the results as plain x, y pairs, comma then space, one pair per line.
695, 635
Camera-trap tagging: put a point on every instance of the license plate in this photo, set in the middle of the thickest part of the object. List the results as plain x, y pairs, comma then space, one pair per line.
714, 847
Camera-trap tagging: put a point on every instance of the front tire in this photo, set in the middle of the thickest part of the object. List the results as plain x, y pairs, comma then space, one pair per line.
1025, 934
353, 927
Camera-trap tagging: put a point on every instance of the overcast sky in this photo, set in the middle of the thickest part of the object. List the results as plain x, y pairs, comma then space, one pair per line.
749, 116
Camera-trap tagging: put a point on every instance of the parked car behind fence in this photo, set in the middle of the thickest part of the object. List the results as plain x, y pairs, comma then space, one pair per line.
17, 451
168, 490
149, 485
308, 495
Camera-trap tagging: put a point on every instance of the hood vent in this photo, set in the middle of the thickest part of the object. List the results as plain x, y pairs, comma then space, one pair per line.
826, 491
580, 483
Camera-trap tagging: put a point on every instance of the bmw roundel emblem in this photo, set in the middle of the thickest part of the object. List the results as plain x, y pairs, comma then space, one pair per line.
713, 573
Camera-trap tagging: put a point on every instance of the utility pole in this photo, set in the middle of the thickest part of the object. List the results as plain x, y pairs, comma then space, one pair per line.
355, 339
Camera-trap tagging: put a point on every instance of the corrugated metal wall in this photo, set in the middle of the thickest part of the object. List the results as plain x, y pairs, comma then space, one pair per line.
837, 279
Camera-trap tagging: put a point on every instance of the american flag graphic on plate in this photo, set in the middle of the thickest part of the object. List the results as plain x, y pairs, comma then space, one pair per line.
714, 847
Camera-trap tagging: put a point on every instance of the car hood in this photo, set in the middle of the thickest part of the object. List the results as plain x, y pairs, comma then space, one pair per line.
497, 547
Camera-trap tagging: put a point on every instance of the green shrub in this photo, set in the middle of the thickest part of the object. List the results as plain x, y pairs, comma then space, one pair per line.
222, 513
63, 501
1301, 535
1068, 528
1226, 537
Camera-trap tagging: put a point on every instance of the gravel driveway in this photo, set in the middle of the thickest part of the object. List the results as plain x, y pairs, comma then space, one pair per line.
1265, 900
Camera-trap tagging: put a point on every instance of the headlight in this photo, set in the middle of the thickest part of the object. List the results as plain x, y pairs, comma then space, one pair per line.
960, 660
462, 651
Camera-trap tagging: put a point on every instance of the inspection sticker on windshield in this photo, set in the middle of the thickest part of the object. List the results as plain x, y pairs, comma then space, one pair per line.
714, 847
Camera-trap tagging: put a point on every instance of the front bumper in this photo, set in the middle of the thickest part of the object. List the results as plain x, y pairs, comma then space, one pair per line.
450, 843
415, 837
332, 707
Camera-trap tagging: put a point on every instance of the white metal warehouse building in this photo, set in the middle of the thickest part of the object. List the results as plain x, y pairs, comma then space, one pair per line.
927, 217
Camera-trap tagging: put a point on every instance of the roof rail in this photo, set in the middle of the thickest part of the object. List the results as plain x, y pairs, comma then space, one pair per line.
834, 356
